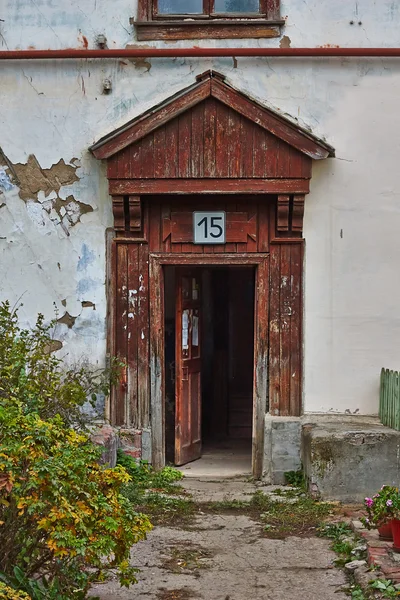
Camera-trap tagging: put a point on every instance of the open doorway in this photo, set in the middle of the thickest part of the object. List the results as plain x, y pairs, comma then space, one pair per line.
209, 352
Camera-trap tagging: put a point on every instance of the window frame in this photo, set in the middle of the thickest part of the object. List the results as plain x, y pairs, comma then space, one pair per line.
152, 25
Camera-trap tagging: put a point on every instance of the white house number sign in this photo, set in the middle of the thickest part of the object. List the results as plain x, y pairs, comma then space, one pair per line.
209, 227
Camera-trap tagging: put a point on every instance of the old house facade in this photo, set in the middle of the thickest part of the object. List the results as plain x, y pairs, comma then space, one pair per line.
225, 225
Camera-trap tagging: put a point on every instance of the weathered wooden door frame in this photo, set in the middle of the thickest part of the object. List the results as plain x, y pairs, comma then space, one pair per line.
157, 365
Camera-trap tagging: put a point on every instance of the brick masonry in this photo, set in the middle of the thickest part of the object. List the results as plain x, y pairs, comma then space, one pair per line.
380, 552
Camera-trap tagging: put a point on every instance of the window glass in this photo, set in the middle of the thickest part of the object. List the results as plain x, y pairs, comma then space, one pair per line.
180, 7
237, 6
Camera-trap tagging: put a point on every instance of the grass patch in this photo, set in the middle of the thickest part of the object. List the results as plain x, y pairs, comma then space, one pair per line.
280, 518
283, 518
155, 493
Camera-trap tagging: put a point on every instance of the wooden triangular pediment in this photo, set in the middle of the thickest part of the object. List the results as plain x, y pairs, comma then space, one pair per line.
211, 89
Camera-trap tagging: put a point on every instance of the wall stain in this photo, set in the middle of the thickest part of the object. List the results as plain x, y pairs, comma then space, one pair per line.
285, 42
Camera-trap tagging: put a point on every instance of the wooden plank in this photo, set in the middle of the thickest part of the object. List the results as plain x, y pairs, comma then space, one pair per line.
135, 152
259, 153
260, 386
263, 227
184, 144
247, 147
234, 144
209, 259
157, 364
296, 163
143, 338
125, 165
111, 294
271, 155
283, 160
118, 409
284, 330
274, 331
131, 334
221, 142
296, 263
171, 149
269, 120
151, 120
112, 167
155, 227
209, 186
193, 30
159, 153
147, 157
210, 121
197, 141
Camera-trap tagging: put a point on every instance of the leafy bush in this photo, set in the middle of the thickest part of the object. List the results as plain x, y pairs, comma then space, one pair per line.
7, 593
63, 518
33, 374
145, 477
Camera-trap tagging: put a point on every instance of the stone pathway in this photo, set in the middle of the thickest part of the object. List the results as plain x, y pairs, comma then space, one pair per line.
226, 557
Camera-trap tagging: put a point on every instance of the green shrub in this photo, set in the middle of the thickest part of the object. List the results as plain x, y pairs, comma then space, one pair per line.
32, 374
7, 593
63, 518
145, 477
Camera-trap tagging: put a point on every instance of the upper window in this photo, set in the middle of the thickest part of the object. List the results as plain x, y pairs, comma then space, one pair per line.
196, 19
198, 7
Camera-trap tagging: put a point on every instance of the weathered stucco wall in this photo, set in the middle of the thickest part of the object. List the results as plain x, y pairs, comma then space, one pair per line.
54, 206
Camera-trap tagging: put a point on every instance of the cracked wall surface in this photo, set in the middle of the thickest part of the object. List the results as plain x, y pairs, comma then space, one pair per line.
55, 209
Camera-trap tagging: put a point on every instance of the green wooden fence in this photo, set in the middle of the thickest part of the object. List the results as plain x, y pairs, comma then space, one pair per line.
389, 399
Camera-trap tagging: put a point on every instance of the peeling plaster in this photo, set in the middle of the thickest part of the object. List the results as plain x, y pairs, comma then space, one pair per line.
33, 179
67, 320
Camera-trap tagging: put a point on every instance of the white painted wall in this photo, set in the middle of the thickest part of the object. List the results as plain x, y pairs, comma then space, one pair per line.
56, 110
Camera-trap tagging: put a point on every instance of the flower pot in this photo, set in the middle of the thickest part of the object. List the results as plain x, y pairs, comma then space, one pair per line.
396, 534
385, 531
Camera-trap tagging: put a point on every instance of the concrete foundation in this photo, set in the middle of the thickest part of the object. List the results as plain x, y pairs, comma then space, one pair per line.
282, 446
348, 457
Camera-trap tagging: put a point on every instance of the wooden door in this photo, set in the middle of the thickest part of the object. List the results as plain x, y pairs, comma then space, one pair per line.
188, 366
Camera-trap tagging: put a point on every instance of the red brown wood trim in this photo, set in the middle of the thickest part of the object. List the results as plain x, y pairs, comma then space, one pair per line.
272, 8
119, 213
298, 213
284, 240
209, 259
135, 214
282, 215
142, 126
208, 186
260, 377
157, 363
268, 120
211, 29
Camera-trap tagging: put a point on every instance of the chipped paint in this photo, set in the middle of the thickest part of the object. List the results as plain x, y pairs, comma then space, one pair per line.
5, 181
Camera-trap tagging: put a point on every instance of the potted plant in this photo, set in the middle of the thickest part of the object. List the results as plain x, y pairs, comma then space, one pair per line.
382, 509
